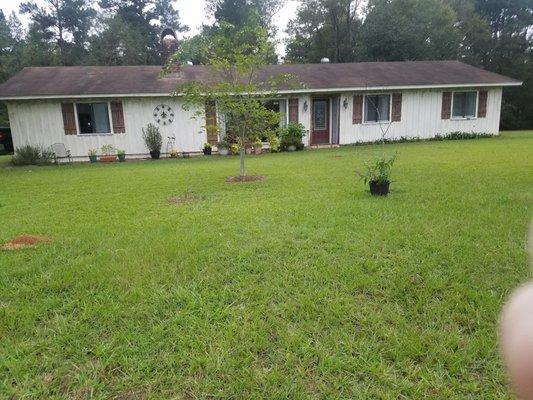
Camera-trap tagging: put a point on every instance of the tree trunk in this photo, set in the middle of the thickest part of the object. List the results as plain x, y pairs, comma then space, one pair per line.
243, 171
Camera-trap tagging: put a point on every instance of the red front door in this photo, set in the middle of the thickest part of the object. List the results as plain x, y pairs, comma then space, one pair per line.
320, 121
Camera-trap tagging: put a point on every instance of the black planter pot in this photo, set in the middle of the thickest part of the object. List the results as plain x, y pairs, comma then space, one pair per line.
122, 157
379, 188
155, 155
93, 159
207, 151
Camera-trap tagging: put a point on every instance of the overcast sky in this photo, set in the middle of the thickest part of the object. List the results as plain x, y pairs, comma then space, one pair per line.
192, 13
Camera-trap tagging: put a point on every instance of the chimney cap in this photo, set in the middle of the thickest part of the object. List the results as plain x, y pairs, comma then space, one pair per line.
325, 60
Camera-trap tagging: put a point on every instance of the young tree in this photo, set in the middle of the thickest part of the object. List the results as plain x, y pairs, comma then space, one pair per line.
237, 86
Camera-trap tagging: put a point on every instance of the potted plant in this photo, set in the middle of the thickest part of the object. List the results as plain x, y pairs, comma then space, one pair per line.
93, 155
223, 148
207, 149
173, 153
121, 155
153, 140
258, 146
377, 175
109, 153
291, 137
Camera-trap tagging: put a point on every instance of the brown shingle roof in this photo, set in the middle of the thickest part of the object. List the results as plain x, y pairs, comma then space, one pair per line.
146, 80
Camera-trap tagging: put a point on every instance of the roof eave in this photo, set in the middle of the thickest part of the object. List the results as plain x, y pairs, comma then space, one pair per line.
292, 91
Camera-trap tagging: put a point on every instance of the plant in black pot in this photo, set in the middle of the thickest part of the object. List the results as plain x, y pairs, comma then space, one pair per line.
121, 155
207, 149
153, 140
93, 155
377, 175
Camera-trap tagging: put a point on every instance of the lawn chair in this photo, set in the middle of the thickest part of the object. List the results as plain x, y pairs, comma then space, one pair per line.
60, 152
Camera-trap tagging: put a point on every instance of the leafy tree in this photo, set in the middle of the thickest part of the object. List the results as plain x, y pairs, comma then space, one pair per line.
238, 90
241, 13
131, 31
421, 30
60, 25
325, 28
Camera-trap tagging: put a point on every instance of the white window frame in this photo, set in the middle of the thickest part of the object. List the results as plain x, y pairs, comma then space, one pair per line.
365, 122
78, 131
476, 107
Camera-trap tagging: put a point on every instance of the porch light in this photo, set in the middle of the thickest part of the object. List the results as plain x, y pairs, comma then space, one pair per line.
306, 106
345, 103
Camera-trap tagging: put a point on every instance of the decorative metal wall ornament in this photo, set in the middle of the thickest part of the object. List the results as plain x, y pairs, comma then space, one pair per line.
163, 114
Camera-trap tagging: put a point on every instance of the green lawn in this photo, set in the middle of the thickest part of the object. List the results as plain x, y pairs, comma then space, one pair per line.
301, 286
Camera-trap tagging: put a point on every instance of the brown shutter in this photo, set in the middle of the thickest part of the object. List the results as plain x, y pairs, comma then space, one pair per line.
117, 116
211, 122
294, 106
69, 119
396, 107
446, 105
482, 104
358, 109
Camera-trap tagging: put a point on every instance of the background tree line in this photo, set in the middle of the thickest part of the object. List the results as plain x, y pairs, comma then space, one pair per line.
494, 34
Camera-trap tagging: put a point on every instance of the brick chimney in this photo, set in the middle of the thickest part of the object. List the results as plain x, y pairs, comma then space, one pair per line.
169, 45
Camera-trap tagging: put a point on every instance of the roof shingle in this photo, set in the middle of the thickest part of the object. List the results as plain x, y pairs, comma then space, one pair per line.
43, 82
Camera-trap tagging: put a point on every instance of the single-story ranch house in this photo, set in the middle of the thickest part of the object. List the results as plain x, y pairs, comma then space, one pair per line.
87, 107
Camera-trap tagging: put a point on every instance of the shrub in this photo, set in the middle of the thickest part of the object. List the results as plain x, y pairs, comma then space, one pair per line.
223, 145
274, 143
207, 146
378, 170
92, 152
152, 138
32, 155
235, 149
292, 135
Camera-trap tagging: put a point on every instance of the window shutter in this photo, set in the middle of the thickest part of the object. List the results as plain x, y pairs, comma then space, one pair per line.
482, 104
211, 122
117, 116
396, 107
294, 106
446, 105
69, 119
357, 109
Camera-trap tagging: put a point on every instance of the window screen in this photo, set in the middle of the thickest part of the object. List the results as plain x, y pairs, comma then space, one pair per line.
93, 118
464, 104
377, 108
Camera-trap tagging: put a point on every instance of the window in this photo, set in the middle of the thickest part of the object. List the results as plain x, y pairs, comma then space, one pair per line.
464, 104
93, 118
377, 108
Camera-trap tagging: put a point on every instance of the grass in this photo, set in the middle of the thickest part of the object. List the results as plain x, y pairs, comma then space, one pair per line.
302, 286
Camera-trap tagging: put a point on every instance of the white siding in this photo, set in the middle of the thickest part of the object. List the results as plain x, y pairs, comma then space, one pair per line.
421, 117
41, 122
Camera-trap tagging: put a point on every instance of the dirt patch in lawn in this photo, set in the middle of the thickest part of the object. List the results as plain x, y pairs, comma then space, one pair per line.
183, 199
25, 242
243, 179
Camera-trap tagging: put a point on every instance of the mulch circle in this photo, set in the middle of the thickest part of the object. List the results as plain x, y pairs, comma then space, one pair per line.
25, 242
243, 179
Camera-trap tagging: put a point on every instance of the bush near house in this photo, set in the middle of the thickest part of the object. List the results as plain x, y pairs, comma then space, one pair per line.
301, 286
32, 155
292, 135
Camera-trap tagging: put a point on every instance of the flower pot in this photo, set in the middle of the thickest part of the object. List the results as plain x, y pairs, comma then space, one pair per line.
93, 159
291, 148
223, 151
155, 154
108, 159
258, 150
207, 151
379, 188
122, 157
